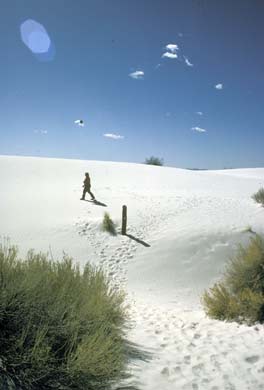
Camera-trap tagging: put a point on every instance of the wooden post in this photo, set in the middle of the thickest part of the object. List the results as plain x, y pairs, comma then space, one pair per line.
124, 220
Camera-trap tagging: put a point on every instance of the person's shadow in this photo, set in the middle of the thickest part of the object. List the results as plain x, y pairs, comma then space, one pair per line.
96, 202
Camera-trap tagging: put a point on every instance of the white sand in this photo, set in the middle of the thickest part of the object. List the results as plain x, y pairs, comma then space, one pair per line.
192, 221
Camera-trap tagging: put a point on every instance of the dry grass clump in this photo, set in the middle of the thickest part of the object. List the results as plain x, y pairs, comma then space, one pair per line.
259, 196
240, 294
108, 225
60, 328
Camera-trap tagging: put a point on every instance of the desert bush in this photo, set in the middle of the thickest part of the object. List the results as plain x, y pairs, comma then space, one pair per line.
239, 296
154, 161
259, 196
249, 229
108, 225
60, 328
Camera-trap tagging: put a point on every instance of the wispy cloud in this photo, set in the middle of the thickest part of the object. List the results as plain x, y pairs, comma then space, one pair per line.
219, 86
199, 113
172, 47
199, 129
187, 62
114, 136
169, 55
40, 131
138, 75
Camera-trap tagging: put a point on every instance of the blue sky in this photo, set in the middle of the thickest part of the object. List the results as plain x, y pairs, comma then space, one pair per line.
99, 45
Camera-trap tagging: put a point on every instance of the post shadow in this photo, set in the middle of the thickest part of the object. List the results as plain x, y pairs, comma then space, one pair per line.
137, 240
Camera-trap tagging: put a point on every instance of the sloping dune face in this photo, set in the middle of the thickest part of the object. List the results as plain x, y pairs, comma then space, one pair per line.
182, 228
40, 207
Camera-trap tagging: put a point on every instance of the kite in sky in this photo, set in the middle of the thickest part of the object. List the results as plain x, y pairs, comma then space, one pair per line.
79, 122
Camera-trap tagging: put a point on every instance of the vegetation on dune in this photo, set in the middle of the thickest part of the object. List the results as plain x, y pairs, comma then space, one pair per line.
259, 196
240, 294
108, 225
249, 229
154, 161
60, 328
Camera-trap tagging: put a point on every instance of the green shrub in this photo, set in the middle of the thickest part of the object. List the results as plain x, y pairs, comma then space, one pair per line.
108, 225
259, 196
240, 295
60, 328
154, 161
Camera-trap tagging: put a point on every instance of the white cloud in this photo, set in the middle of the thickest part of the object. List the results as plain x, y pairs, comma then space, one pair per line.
199, 129
41, 131
113, 136
219, 86
187, 62
169, 55
172, 47
199, 113
171, 51
138, 74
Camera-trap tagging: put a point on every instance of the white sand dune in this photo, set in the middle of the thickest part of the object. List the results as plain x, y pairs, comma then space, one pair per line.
190, 222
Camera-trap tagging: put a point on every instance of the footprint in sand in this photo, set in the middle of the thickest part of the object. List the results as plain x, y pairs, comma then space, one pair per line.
187, 359
177, 370
252, 359
230, 386
165, 371
214, 361
197, 369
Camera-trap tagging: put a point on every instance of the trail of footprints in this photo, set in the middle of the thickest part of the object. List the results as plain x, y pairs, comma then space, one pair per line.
114, 254
189, 355
114, 261
199, 354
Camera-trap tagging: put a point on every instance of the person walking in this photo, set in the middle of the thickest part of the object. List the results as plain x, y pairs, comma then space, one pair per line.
87, 187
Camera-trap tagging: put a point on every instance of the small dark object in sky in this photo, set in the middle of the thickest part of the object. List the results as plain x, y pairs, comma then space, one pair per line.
79, 122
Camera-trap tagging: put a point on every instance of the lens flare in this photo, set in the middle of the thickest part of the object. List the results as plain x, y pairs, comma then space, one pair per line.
36, 38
